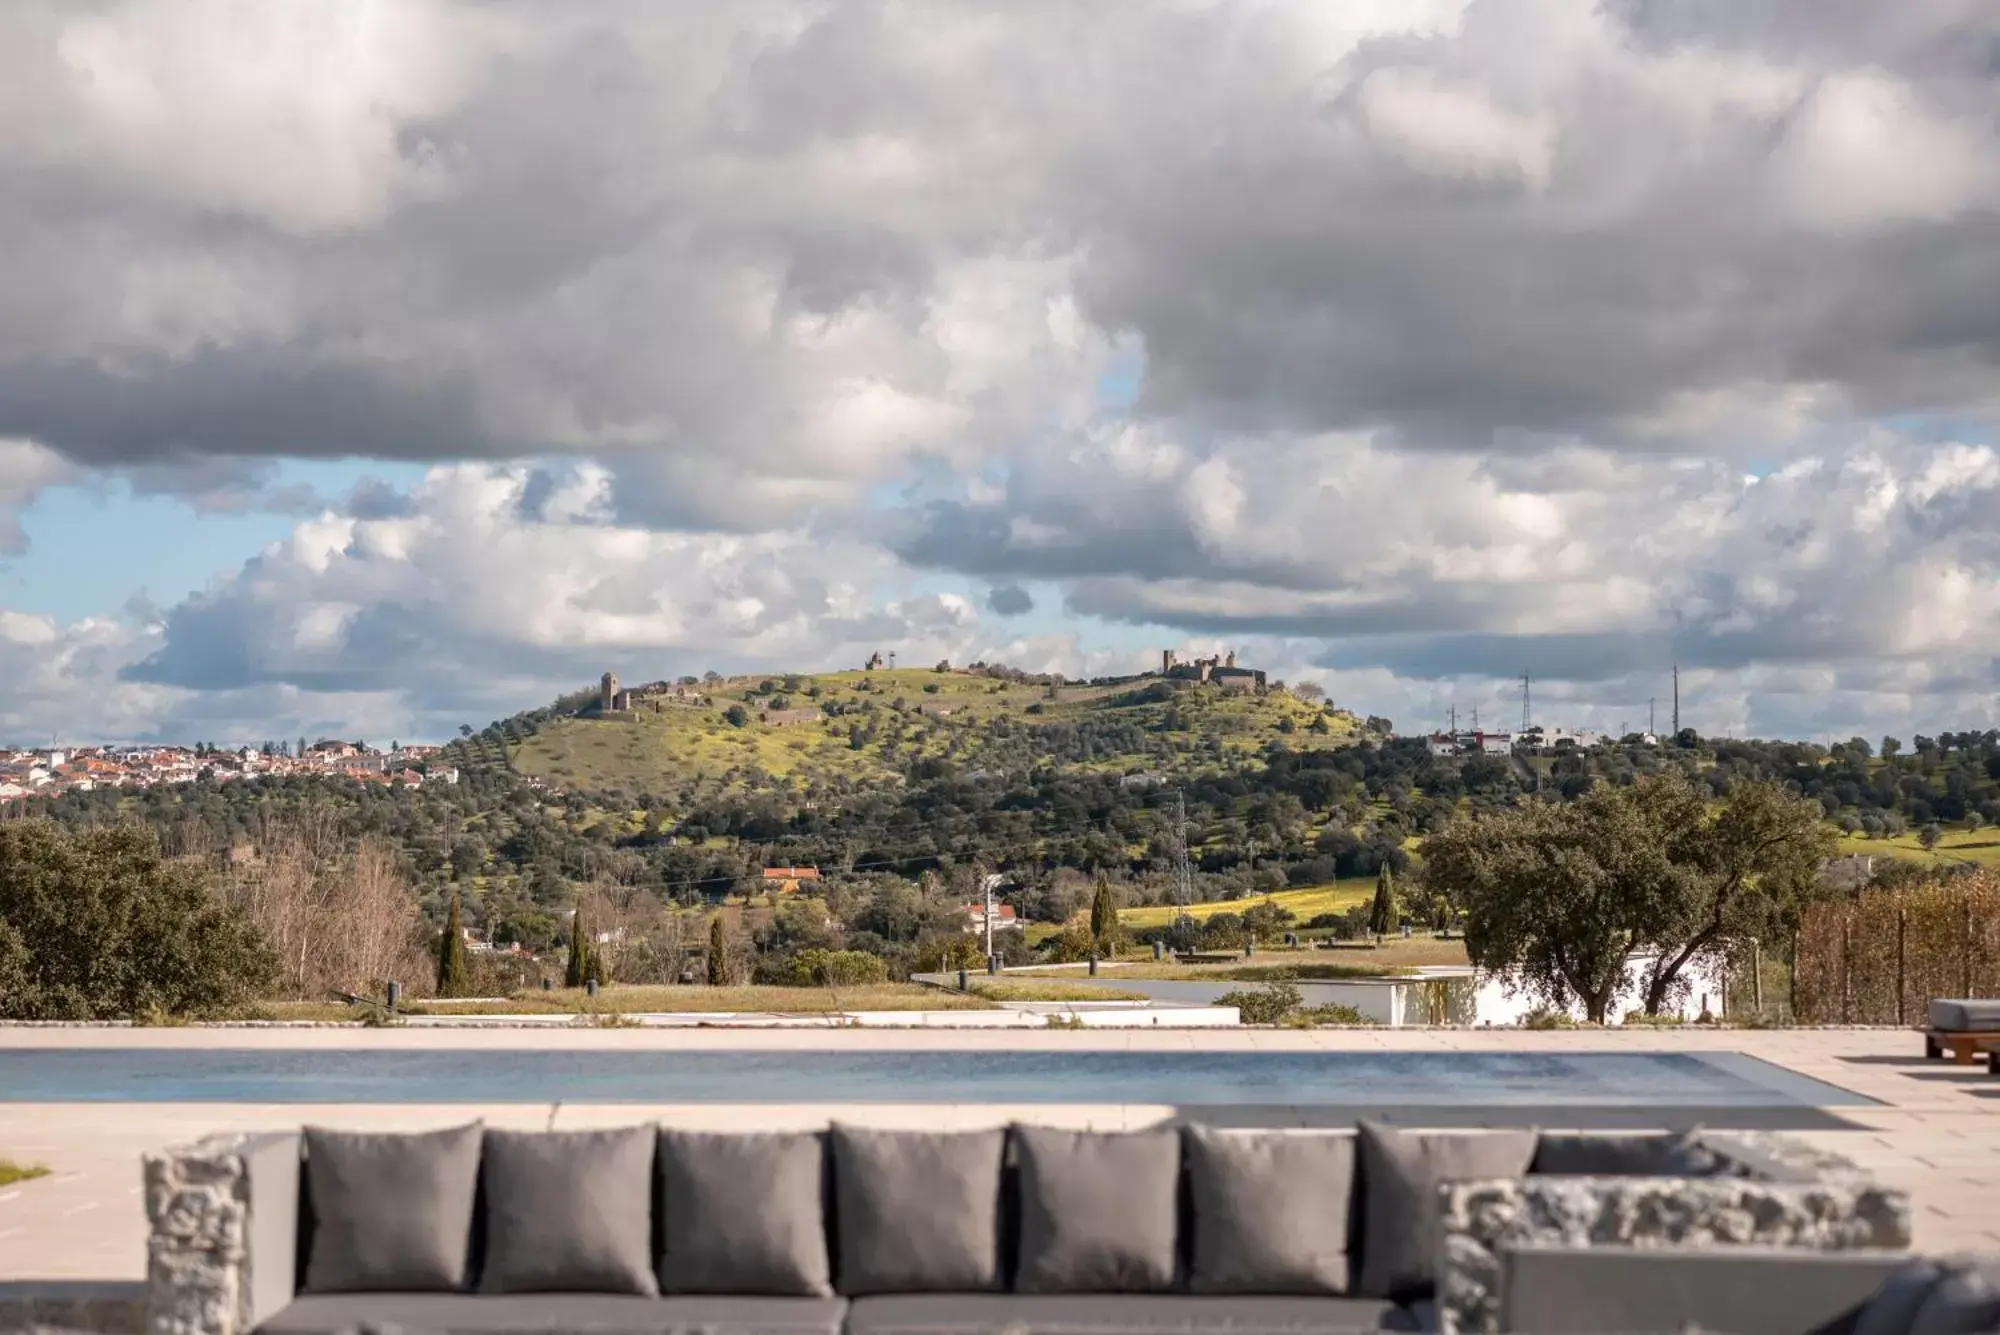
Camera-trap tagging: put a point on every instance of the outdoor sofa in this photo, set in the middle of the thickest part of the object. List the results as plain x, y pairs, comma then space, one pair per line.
850, 1231
1963, 1029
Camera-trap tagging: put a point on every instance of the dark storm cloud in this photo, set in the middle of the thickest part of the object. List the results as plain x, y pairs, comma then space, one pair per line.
1010, 600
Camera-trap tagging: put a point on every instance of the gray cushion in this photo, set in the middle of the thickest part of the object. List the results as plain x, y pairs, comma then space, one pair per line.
1270, 1210
1670, 1155
390, 1212
1099, 1210
917, 1211
1119, 1314
569, 1211
1400, 1174
1966, 1300
1980, 1014
1894, 1306
744, 1213
550, 1313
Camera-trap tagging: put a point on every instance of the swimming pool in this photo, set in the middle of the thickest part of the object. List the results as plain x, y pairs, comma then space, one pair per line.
1349, 1080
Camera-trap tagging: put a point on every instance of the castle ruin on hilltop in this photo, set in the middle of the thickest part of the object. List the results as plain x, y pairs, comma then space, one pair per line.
1220, 670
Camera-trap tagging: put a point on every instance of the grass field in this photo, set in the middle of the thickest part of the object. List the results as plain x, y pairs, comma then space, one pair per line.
1303, 904
623, 1000
789, 1000
1976, 846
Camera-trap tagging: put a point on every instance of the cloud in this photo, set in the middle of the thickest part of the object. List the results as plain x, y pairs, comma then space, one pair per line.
1010, 600
1461, 329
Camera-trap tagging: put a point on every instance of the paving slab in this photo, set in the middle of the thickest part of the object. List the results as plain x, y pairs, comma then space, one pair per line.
1934, 1130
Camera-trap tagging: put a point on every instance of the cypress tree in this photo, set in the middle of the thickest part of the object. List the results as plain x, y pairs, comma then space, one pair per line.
578, 970
718, 953
1383, 919
452, 980
1103, 915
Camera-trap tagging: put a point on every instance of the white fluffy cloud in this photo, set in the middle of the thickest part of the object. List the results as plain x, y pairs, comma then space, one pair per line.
1476, 337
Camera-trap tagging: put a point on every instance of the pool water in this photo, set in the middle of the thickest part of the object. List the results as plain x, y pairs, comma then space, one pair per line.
1501, 1080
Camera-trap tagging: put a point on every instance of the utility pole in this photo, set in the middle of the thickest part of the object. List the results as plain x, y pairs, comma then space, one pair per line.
1677, 699
1183, 874
991, 882
1524, 702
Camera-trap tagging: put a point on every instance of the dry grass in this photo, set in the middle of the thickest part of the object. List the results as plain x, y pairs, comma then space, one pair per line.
1303, 904
11, 1172
785, 1000
299, 1011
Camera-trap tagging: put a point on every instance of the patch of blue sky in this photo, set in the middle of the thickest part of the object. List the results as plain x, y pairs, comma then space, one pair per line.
92, 548
1118, 388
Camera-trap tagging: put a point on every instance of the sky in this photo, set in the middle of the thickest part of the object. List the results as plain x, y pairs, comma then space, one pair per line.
369, 369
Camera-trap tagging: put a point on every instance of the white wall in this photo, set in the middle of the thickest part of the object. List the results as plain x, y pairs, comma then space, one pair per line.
1495, 1004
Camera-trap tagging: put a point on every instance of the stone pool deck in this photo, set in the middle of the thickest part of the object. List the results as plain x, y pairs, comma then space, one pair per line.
1935, 1131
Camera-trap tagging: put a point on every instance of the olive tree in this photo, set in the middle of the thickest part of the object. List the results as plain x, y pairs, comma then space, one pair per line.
1565, 893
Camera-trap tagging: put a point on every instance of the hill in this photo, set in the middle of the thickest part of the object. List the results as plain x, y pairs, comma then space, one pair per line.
843, 730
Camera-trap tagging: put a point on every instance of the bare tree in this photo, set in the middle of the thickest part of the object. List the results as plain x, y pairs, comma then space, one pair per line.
340, 919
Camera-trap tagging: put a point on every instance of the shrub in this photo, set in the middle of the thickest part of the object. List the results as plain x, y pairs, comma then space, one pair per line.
1275, 1003
1333, 1013
836, 968
1544, 1018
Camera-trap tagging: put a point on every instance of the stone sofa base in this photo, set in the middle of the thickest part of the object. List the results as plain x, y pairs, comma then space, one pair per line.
1782, 1194
109, 1308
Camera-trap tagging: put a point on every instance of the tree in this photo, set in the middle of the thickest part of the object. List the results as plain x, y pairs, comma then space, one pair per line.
1566, 893
97, 925
1561, 893
1929, 836
577, 971
1743, 869
1104, 917
718, 953
452, 980
1383, 915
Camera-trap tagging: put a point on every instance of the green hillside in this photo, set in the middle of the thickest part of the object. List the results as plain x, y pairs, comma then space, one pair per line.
862, 728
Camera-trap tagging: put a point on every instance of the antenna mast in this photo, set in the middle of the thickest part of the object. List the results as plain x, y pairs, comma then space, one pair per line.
1524, 702
1677, 699
1649, 717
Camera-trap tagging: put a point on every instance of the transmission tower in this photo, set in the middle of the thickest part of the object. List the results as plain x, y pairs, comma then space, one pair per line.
1183, 874
1524, 702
